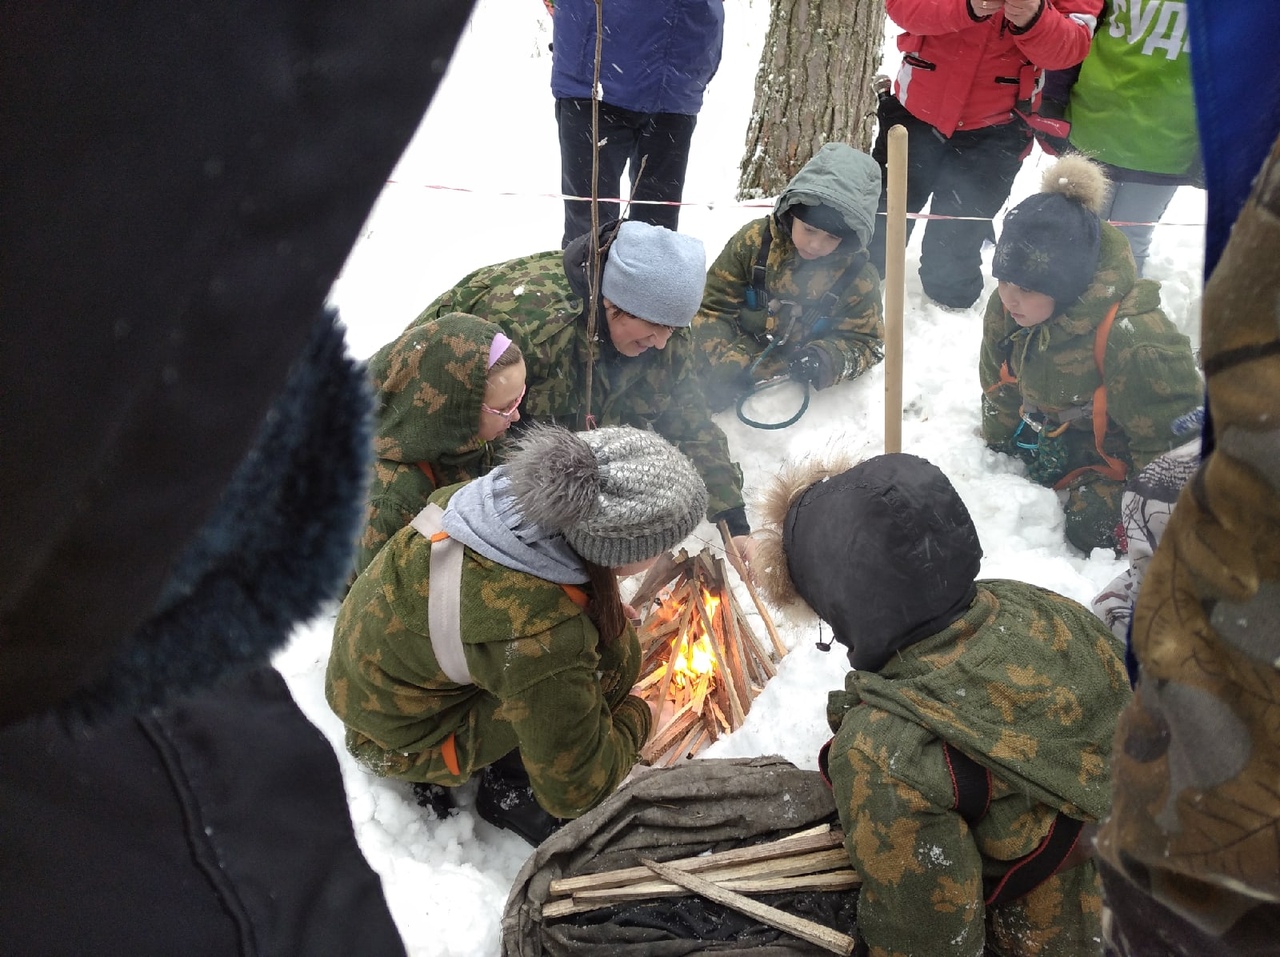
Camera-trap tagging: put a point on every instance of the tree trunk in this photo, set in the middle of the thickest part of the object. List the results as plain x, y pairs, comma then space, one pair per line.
813, 87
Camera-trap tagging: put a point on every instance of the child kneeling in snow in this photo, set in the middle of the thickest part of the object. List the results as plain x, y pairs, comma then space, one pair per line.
1082, 374
488, 636
973, 737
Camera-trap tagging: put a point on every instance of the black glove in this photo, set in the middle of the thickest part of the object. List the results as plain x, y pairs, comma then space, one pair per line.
814, 366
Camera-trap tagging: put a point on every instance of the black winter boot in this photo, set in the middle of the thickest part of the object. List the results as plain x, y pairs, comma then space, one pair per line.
505, 799
436, 797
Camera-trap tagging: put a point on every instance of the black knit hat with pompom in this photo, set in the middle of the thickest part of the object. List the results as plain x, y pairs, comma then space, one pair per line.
1050, 241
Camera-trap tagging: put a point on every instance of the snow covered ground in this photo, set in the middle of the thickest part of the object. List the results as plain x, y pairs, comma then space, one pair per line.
477, 186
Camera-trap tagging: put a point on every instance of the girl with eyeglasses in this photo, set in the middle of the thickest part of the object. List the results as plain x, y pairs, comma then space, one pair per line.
445, 390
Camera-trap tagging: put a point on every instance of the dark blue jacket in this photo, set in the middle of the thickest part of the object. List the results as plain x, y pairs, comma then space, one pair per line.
658, 55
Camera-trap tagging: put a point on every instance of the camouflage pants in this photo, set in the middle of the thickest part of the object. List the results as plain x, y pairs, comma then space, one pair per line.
480, 735
1060, 918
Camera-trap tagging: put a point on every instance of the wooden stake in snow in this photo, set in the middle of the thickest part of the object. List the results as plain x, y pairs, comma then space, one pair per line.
895, 247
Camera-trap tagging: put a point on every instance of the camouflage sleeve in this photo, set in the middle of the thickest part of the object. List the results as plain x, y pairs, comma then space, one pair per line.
619, 666
856, 341
461, 298
725, 350
685, 422
921, 870
1000, 403
384, 516
1151, 380
576, 750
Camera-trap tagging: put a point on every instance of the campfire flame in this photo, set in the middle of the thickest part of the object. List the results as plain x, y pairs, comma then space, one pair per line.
701, 661
692, 655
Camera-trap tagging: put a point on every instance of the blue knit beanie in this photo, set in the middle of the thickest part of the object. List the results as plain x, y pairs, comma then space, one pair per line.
656, 274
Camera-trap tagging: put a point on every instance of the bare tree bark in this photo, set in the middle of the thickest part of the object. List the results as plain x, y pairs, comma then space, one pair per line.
813, 87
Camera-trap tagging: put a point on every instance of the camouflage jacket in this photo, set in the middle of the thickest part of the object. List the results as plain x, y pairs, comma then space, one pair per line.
1151, 375
429, 383
731, 335
542, 681
540, 301
1028, 684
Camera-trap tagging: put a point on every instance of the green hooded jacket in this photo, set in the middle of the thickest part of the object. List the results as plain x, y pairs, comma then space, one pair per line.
1029, 685
540, 302
1150, 371
429, 385
543, 681
731, 334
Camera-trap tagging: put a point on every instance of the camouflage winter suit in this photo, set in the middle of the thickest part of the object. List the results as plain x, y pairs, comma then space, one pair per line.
540, 301
1028, 684
430, 383
544, 683
732, 335
1151, 381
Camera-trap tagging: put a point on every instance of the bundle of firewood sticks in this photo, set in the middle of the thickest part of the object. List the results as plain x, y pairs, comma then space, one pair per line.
703, 665
812, 860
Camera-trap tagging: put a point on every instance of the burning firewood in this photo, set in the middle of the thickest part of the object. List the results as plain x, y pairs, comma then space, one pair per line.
703, 665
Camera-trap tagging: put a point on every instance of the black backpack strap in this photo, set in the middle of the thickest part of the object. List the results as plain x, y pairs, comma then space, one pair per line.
817, 320
970, 784
757, 293
1031, 870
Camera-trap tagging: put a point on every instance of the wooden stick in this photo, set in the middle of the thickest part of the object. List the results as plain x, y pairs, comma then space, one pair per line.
817, 838
806, 930
757, 653
669, 734
827, 881
895, 248
663, 572
678, 751
735, 703
816, 863
739, 566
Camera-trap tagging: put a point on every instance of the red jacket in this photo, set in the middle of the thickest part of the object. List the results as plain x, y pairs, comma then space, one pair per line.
959, 72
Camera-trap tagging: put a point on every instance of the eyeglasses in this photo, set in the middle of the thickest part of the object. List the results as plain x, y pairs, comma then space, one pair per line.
510, 410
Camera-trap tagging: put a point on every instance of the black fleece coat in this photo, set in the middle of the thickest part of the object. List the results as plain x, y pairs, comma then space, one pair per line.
185, 444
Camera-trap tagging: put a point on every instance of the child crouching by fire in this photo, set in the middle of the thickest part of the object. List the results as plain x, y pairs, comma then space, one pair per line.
973, 735
488, 637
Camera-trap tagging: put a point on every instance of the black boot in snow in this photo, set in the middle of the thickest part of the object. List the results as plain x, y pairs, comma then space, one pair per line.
435, 797
505, 799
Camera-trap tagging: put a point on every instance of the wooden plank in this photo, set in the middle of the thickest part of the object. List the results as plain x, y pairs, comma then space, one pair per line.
818, 838
842, 880
806, 930
835, 858
739, 566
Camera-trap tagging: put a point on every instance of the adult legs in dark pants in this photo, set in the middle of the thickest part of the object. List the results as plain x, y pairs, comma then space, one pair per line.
969, 177
660, 140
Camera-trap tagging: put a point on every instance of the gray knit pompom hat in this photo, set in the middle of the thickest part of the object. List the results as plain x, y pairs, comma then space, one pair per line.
618, 495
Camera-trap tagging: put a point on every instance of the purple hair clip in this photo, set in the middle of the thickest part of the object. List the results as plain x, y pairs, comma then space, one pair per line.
497, 348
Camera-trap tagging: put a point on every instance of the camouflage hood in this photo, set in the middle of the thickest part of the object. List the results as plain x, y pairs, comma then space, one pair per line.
841, 177
430, 383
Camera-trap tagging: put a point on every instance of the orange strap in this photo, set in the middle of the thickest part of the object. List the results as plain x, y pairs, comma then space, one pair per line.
449, 751
427, 471
1006, 378
576, 595
1113, 469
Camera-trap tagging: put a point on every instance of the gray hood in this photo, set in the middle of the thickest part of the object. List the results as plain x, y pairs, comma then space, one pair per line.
843, 178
